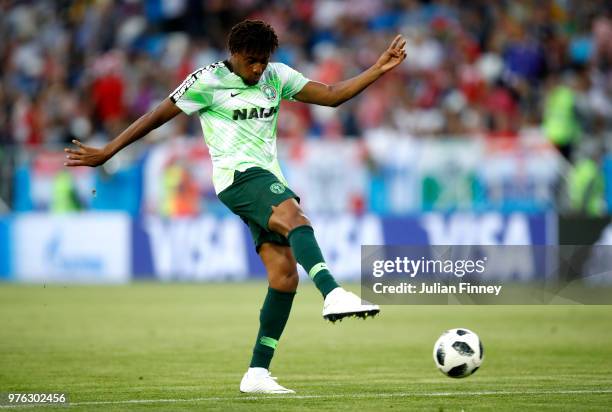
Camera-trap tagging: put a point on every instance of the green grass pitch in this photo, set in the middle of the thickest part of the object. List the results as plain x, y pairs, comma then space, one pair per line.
185, 347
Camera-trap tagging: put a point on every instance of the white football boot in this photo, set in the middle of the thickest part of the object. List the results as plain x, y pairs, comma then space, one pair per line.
340, 303
259, 380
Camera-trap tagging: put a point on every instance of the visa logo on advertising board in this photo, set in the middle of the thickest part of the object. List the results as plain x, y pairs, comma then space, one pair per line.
481, 229
212, 249
204, 248
91, 247
490, 229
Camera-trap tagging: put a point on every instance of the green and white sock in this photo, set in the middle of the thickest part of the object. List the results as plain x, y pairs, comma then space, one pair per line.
272, 320
308, 254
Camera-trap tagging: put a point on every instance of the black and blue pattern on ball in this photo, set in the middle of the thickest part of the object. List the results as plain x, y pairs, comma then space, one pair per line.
440, 354
463, 348
458, 371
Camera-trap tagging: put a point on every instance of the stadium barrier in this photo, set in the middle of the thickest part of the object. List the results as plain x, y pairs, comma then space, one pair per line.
111, 247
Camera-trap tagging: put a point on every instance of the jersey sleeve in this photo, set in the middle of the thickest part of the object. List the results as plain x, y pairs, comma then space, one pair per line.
291, 80
193, 94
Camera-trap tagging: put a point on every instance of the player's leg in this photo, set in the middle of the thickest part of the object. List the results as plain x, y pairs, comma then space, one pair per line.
281, 267
288, 220
282, 284
268, 205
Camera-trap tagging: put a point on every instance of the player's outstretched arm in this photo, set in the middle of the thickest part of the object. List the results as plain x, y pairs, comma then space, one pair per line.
336, 94
90, 156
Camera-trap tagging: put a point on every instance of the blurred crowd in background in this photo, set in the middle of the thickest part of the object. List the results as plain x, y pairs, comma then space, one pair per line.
86, 69
76, 68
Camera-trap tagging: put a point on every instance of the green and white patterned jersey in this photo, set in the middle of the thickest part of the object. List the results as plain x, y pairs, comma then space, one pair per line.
238, 121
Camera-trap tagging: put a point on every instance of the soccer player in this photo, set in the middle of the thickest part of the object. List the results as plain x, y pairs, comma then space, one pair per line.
237, 101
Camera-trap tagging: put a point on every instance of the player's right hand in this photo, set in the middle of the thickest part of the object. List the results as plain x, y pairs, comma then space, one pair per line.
85, 155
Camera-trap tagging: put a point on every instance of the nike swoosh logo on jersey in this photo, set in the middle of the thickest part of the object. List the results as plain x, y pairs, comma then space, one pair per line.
235, 94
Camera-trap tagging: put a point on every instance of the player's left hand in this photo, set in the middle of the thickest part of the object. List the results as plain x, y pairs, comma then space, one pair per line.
394, 55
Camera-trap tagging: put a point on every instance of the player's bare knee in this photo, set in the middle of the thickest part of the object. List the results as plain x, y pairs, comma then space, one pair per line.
284, 220
291, 281
296, 220
286, 282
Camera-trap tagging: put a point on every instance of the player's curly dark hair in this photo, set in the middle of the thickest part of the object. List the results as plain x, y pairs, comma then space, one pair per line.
252, 36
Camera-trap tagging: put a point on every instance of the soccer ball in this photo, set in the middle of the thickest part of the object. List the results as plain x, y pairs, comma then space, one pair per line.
458, 353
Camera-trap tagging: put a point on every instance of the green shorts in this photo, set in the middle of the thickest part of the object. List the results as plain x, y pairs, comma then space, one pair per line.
251, 196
